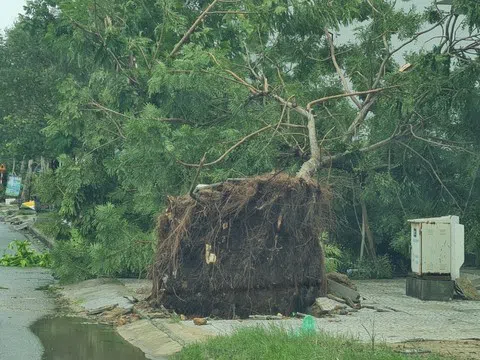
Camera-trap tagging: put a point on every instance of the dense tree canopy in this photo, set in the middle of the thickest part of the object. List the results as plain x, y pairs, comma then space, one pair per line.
129, 96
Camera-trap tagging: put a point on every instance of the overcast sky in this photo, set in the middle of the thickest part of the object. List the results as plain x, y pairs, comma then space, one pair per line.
9, 10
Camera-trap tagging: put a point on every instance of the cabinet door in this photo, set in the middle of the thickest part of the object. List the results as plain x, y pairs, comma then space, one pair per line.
436, 248
416, 250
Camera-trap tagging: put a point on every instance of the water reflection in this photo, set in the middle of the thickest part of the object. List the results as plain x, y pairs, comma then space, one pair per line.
72, 339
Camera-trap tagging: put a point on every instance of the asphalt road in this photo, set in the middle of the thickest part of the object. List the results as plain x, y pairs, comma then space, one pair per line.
21, 305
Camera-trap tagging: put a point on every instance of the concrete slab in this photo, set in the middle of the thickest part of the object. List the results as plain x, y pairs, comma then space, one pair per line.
94, 294
156, 344
407, 318
184, 332
141, 288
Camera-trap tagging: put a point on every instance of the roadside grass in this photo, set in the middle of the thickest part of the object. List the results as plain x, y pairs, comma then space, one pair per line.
279, 344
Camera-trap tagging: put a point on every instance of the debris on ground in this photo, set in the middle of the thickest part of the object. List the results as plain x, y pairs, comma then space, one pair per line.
326, 306
350, 296
342, 279
476, 283
467, 289
266, 317
232, 249
337, 299
200, 321
461, 349
101, 309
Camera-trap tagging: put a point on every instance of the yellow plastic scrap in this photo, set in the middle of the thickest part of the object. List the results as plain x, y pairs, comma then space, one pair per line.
29, 205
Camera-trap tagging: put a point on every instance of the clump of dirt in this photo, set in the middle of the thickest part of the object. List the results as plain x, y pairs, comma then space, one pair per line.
243, 247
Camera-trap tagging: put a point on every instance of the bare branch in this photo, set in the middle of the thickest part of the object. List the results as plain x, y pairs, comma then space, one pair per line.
108, 110
185, 37
339, 71
393, 52
233, 12
471, 188
252, 89
229, 150
359, 119
365, 149
290, 105
439, 144
293, 125
339, 96
103, 108
284, 108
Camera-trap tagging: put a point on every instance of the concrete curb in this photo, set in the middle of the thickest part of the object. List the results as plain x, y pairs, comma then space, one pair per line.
160, 327
47, 241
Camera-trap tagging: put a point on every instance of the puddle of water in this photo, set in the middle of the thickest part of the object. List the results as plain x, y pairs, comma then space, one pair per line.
65, 338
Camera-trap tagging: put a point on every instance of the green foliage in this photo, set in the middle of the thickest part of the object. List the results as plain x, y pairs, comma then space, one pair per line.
380, 268
71, 259
333, 254
275, 343
25, 256
401, 243
119, 249
97, 86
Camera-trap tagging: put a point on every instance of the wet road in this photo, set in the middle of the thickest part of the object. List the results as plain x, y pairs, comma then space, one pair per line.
21, 305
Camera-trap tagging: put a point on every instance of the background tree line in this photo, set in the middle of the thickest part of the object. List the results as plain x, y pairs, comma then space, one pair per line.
129, 96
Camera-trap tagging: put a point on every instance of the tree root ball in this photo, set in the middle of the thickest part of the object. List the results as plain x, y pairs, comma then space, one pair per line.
243, 247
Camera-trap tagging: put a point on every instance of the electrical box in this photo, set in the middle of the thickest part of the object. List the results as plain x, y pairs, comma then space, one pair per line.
437, 246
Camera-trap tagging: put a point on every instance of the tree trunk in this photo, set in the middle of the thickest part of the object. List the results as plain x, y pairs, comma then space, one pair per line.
362, 246
371, 243
310, 167
25, 196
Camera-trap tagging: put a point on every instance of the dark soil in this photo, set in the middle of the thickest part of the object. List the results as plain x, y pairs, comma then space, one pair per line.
243, 247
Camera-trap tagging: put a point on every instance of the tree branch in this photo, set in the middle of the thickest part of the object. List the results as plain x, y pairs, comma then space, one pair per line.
365, 149
185, 37
103, 108
333, 97
442, 145
391, 53
433, 171
339, 71
359, 119
108, 110
229, 150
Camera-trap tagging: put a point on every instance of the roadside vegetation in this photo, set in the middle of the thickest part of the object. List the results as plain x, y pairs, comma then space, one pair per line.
277, 344
25, 256
123, 99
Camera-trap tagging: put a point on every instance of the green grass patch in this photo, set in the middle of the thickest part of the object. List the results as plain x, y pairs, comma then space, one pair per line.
278, 344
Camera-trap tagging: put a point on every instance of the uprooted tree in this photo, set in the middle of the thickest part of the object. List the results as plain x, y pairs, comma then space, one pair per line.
233, 248
129, 95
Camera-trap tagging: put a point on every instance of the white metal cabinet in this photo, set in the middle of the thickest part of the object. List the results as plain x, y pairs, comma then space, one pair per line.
437, 246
